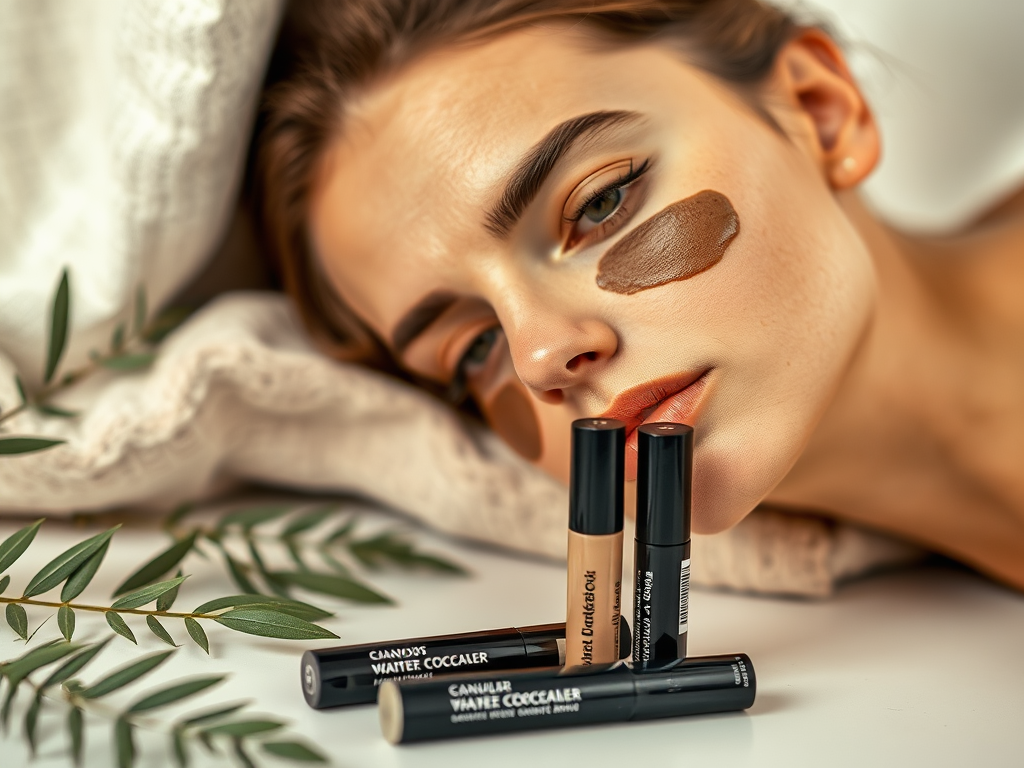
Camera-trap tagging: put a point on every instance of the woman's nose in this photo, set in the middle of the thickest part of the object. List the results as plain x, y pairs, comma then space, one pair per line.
554, 354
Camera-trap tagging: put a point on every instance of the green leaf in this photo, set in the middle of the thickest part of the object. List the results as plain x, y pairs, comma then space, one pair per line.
31, 718
17, 670
435, 563
159, 631
241, 754
59, 313
120, 626
4, 582
278, 587
238, 574
75, 728
268, 623
18, 620
130, 361
330, 584
60, 413
343, 532
178, 748
139, 318
257, 558
206, 742
159, 566
41, 625
21, 389
73, 665
281, 604
197, 633
310, 519
173, 693
243, 728
62, 566
333, 563
16, 544
293, 750
123, 732
253, 516
117, 338
121, 677
177, 515
83, 574
146, 594
206, 717
66, 621
390, 547
296, 554
165, 323
5, 710
11, 446
166, 601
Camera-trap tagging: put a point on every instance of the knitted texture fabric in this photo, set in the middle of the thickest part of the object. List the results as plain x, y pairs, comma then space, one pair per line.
238, 394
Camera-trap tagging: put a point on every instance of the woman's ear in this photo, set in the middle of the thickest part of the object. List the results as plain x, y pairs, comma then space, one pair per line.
827, 108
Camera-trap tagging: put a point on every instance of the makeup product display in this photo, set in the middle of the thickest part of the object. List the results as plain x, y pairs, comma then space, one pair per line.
473, 705
594, 584
662, 547
334, 677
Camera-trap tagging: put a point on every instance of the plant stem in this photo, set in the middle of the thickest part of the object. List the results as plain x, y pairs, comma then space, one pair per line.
44, 394
40, 397
104, 609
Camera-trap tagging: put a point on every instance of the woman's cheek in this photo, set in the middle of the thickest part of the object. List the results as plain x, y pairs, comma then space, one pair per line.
555, 424
510, 413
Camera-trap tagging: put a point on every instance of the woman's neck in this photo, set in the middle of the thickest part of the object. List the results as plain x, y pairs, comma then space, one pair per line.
921, 437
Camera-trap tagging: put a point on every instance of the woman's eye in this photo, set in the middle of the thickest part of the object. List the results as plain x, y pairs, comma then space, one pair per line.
604, 206
478, 350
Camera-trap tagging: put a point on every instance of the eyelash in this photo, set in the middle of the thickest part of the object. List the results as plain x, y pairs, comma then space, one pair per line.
458, 388
620, 183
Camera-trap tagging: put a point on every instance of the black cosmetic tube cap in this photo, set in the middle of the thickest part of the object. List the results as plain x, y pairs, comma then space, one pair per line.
664, 480
351, 674
597, 476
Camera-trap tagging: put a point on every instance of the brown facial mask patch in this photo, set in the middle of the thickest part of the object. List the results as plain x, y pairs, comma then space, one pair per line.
683, 240
512, 417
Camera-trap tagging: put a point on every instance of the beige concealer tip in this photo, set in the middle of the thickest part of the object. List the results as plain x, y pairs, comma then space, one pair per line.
391, 711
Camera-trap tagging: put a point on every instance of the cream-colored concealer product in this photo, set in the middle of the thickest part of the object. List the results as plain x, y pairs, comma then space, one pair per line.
594, 584
683, 240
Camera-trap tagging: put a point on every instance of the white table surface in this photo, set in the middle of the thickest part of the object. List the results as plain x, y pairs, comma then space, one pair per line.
917, 667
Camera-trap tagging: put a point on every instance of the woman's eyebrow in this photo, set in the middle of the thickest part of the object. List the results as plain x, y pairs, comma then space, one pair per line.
419, 318
525, 181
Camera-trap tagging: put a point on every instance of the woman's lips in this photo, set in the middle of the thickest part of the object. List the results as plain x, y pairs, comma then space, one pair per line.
673, 398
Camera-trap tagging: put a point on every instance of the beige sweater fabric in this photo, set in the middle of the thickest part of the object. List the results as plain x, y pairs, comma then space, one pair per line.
238, 394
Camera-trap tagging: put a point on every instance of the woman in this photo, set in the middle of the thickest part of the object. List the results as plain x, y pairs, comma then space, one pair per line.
648, 211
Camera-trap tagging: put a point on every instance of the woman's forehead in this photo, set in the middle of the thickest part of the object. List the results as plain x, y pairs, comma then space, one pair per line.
422, 154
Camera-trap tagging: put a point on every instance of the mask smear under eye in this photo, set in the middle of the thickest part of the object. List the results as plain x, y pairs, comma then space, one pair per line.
683, 240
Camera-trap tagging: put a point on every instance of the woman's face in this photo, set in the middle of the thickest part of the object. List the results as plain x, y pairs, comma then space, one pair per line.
572, 229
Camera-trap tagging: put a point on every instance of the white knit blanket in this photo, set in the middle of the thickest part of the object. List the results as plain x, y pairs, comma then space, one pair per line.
238, 394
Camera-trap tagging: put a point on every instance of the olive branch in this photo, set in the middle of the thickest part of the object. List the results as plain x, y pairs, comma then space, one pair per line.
132, 347
270, 613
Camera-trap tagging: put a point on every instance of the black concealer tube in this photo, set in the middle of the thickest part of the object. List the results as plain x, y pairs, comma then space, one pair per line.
351, 674
661, 594
594, 570
474, 705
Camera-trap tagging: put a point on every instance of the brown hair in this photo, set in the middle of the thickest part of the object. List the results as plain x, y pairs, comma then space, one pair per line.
330, 49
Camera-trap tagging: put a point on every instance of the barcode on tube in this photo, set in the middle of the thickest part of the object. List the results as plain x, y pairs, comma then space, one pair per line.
684, 595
